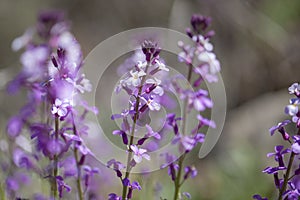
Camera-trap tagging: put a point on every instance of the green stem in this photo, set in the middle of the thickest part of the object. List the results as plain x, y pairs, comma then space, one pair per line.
78, 181
76, 155
177, 182
55, 170
286, 177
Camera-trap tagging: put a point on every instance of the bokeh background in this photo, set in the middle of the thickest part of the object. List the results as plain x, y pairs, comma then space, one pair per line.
257, 42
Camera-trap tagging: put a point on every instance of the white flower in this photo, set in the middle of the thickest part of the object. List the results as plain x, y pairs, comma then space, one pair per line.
211, 60
161, 65
60, 107
294, 89
204, 41
135, 78
141, 65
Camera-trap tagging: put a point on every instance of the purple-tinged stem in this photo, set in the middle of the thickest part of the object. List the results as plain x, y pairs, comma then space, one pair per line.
286, 177
55, 170
78, 180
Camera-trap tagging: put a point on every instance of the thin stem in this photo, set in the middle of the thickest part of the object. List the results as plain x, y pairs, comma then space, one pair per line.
78, 181
55, 170
178, 177
189, 77
177, 182
286, 177
135, 118
76, 155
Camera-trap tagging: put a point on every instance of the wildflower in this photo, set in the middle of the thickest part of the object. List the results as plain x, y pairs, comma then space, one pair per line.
60, 108
135, 79
139, 154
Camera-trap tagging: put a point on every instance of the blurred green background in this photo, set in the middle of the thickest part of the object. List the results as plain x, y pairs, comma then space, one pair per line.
257, 43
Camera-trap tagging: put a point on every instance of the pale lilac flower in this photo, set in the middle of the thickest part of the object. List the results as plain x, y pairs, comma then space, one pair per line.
161, 65
294, 89
60, 108
199, 100
135, 78
188, 195
296, 148
139, 154
190, 172
204, 71
151, 103
210, 59
204, 42
141, 65
33, 61
23, 40
14, 126
292, 109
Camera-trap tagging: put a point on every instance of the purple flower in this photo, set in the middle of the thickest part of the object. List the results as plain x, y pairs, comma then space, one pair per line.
139, 154
200, 23
155, 86
14, 126
292, 109
151, 103
199, 100
190, 172
21, 159
113, 196
60, 108
280, 127
258, 197
273, 170
279, 152
292, 193
89, 173
187, 143
188, 195
187, 53
172, 121
69, 166
151, 133
62, 186
117, 166
122, 134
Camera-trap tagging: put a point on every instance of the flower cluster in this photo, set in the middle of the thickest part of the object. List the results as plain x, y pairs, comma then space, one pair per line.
286, 174
144, 88
203, 64
51, 64
206, 62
